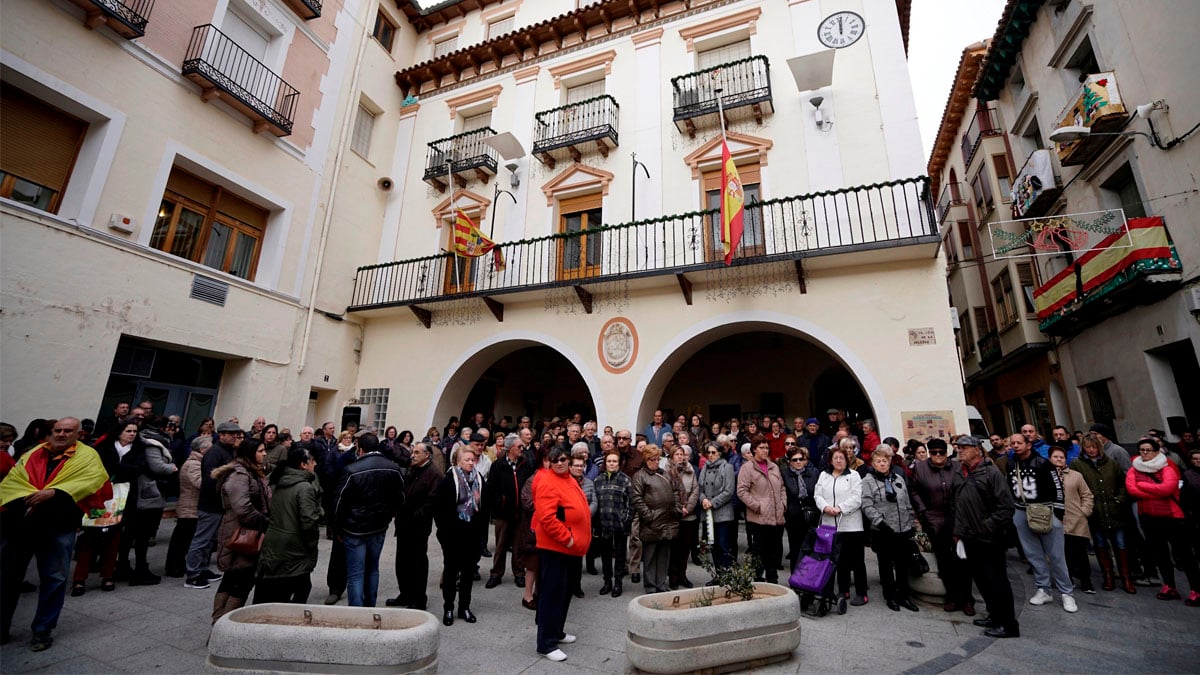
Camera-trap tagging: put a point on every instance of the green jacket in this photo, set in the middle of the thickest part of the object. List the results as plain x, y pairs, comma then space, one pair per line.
290, 547
1107, 483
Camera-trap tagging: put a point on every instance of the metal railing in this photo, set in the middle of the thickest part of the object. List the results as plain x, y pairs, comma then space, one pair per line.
133, 13
580, 122
313, 6
989, 347
218, 59
461, 152
741, 83
952, 195
865, 217
981, 125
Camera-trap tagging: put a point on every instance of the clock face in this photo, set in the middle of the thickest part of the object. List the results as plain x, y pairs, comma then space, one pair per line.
840, 29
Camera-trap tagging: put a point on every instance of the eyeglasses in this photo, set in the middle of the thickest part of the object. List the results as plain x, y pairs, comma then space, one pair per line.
937, 452
713, 453
798, 459
559, 460
624, 438
792, 443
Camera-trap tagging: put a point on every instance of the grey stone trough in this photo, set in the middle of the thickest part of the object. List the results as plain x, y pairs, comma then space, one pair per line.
668, 635
287, 638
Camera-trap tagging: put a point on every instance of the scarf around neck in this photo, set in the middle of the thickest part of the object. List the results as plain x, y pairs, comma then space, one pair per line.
1153, 466
468, 493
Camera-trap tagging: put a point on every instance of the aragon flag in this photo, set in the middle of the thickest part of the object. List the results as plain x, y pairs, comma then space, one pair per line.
469, 242
732, 199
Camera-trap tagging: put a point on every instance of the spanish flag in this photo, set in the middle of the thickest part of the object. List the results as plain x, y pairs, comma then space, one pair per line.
469, 242
732, 199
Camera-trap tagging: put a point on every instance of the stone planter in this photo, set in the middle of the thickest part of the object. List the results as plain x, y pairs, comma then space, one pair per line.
285, 638
670, 636
928, 586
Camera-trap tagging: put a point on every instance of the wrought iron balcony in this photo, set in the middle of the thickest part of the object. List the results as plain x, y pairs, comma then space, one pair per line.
952, 195
1122, 270
573, 129
745, 88
226, 71
866, 218
1036, 188
305, 9
981, 126
989, 348
463, 156
127, 18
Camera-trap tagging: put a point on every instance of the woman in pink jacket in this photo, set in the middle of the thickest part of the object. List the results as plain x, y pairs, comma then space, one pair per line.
1154, 483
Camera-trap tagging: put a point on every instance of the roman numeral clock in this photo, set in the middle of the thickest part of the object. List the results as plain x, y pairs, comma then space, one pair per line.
840, 29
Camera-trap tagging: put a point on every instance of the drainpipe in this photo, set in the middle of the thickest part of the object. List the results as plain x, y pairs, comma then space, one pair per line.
333, 187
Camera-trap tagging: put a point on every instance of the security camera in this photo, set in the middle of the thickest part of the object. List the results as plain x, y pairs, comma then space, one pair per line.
385, 183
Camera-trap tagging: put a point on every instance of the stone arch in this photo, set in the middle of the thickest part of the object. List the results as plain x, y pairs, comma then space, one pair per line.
459, 378
661, 367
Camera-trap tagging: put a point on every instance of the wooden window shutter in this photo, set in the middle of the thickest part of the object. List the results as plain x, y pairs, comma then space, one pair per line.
38, 142
749, 173
981, 320
581, 203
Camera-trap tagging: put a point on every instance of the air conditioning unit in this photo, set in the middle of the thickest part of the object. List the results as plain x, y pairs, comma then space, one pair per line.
1191, 296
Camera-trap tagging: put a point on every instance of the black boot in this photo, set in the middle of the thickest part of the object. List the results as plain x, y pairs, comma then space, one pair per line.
616, 590
606, 588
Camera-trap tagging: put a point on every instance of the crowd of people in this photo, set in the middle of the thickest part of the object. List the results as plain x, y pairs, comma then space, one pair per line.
565, 497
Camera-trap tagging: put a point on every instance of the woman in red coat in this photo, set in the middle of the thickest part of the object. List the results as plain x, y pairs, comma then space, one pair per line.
562, 526
1154, 483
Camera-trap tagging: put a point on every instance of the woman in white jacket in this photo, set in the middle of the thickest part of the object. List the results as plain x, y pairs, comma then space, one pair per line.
839, 497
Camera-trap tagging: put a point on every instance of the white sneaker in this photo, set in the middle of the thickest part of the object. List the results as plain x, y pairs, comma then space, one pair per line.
1069, 603
566, 639
557, 655
1042, 597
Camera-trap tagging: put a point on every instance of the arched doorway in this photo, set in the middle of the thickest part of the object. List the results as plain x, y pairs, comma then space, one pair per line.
765, 353
515, 373
534, 381
760, 372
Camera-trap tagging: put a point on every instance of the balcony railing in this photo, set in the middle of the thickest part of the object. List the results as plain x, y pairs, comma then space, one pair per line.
1036, 188
127, 18
952, 195
462, 156
1097, 106
883, 215
981, 126
305, 9
745, 88
989, 348
1123, 270
224, 70
576, 128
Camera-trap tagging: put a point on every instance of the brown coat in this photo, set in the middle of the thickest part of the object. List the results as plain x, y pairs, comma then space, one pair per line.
246, 498
189, 486
763, 494
1078, 502
656, 503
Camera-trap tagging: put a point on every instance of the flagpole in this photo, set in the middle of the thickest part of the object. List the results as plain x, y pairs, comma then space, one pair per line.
720, 111
453, 211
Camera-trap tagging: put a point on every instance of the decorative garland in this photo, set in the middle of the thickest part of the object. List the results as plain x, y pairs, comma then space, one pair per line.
464, 134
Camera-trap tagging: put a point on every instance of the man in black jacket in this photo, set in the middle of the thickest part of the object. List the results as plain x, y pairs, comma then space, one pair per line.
368, 496
209, 507
932, 493
413, 527
983, 510
505, 479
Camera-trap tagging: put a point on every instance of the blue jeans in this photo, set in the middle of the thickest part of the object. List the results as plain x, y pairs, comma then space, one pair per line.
1100, 538
1046, 552
53, 553
362, 568
724, 543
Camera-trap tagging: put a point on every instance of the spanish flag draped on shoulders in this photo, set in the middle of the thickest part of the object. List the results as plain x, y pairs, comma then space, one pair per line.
77, 476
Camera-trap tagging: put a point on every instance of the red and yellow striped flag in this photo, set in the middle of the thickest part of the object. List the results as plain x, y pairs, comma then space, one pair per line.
469, 242
732, 199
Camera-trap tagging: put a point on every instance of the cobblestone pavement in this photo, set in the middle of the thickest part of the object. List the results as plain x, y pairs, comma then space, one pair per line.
163, 629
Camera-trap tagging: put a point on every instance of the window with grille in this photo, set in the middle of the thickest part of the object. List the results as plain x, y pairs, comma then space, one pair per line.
364, 124
208, 224
378, 398
1006, 306
966, 336
1122, 190
444, 47
500, 27
38, 147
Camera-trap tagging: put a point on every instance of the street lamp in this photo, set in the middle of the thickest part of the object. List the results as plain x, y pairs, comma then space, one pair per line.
1074, 133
